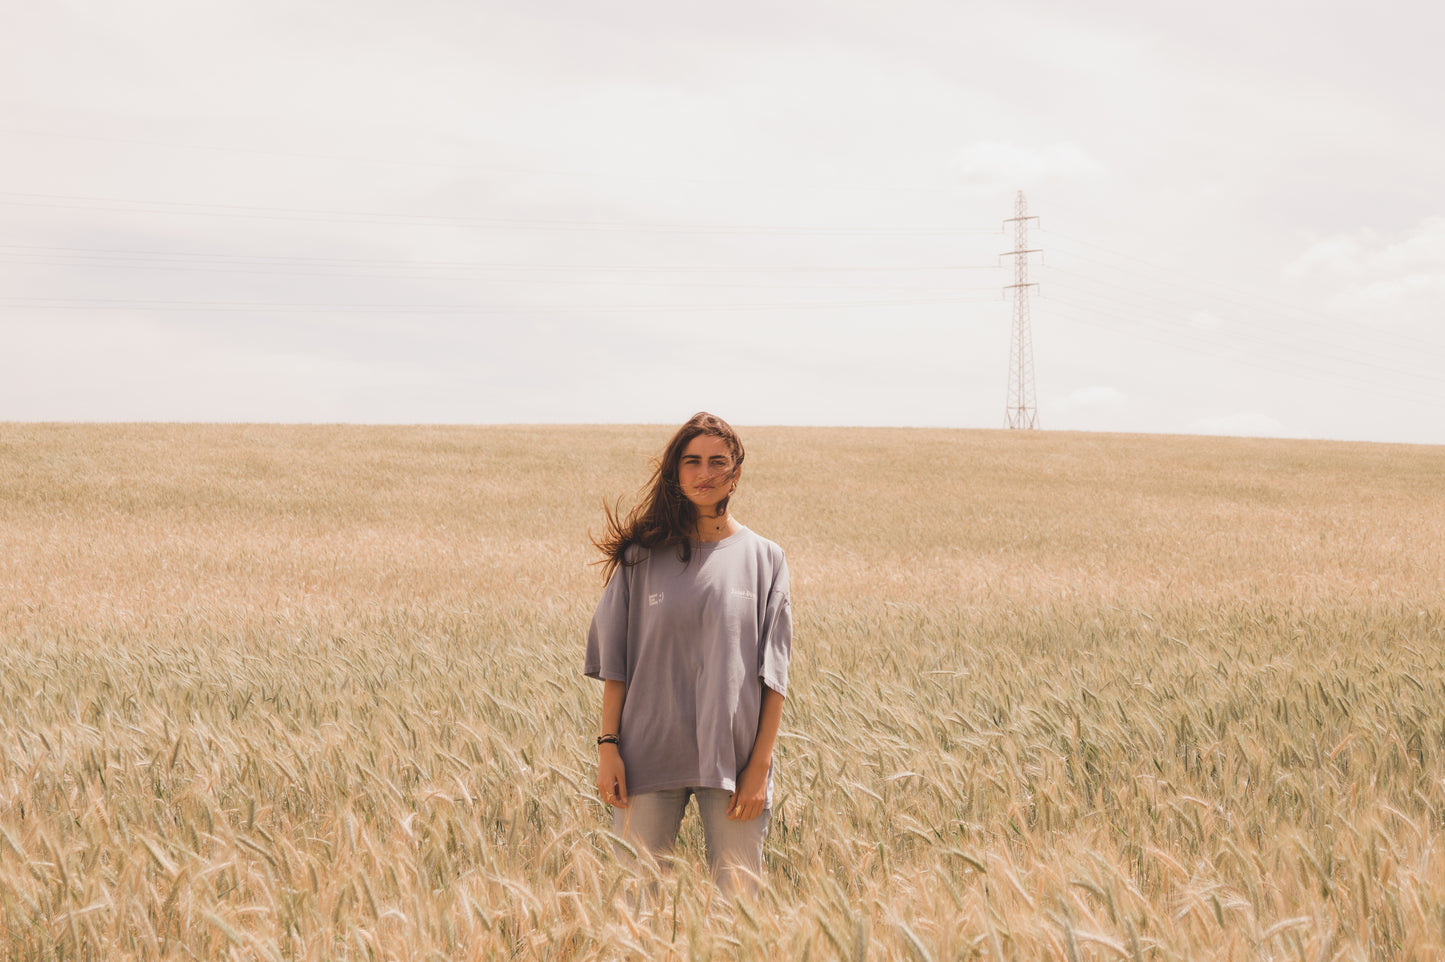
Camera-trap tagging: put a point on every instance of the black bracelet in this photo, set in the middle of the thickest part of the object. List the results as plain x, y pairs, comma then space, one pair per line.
608, 740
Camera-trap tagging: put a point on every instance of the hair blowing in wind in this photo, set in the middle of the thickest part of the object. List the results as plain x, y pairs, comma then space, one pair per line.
664, 517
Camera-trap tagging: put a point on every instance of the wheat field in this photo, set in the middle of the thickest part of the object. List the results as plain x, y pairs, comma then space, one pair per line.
281, 692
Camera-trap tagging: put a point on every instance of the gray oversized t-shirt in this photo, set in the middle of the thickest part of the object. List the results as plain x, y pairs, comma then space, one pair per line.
695, 644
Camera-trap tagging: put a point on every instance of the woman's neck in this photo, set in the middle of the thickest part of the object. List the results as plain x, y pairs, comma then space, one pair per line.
710, 528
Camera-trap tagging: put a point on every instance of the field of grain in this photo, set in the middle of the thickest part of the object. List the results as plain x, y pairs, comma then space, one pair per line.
314, 693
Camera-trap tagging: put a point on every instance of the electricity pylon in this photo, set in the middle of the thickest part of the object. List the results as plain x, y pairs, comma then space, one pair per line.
1021, 408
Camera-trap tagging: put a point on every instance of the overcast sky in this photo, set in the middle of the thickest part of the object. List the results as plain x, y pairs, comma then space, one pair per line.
783, 212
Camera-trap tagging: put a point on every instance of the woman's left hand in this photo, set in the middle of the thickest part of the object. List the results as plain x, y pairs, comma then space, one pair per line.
751, 796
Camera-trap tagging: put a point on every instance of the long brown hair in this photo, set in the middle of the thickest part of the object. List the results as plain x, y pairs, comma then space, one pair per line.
664, 518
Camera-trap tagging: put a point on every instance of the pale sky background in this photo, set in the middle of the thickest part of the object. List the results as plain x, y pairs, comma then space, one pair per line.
783, 212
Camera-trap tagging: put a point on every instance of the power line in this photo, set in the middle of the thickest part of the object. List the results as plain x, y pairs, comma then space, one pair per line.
1259, 305
244, 211
492, 265
1335, 369
1276, 366
607, 281
1260, 332
264, 307
471, 166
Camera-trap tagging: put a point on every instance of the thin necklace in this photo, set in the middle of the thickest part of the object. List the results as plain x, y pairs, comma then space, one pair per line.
713, 524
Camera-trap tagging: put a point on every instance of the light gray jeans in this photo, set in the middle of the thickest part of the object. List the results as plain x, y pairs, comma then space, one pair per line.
734, 848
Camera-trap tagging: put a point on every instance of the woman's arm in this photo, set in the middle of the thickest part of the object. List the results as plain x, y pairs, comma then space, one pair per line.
752, 791
611, 776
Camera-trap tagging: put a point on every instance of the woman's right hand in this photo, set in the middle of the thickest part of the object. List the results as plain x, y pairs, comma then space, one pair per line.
612, 777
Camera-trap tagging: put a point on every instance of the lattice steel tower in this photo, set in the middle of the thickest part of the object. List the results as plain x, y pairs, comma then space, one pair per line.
1022, 409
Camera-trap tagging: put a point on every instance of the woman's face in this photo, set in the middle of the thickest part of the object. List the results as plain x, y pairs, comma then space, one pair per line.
706, 472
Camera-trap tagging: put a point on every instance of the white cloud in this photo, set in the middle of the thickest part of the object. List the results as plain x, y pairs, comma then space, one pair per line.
994, 163
1339, 253
1369, 252
1378, 278
1250, 425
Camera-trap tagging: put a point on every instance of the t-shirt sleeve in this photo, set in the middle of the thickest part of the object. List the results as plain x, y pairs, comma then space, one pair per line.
777, 641
607, 637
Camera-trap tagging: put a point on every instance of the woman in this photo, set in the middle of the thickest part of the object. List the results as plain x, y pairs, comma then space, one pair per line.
691, 642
